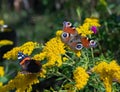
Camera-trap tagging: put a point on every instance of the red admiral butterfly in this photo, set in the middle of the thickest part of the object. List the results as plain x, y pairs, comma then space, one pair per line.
74, 40
28, 65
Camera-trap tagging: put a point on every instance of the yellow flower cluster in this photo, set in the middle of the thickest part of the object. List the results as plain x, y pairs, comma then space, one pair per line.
78, 53
42, 73
1, 73
21, 82
5, 42
58, 33
92, 21
81, 77
26, 48
108, 73
85, 30
52, 51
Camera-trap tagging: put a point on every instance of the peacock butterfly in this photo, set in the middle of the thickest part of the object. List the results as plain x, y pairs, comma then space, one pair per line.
74, 40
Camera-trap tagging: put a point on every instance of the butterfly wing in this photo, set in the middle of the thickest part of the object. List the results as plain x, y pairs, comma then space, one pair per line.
68, 32
78, 42
28, 65
87, 43
22, 58
69, 28
34, 66
65, 37
75, 43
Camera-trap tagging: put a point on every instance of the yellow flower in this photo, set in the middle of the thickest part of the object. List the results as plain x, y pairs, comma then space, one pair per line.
1, 71
40, 56
108, 72
81, 77
78, 53
1, 22
26, 48
92, 22
12, 54
59, 32
42, 73
5, 42
21, 83
52, 52
65, 59
85, 29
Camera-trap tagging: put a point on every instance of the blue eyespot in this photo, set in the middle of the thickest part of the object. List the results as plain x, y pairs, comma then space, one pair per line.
79, 46
65, 35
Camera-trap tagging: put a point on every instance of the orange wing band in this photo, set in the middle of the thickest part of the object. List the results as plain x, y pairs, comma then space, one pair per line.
23, 61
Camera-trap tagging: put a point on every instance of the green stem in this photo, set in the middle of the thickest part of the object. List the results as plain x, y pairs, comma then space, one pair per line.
92, 54
64, 76
86, 59
70, 58
109, 11
68, 64
60, 74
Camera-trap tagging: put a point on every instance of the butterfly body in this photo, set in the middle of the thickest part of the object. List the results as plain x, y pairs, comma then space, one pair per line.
74, 40
28, 65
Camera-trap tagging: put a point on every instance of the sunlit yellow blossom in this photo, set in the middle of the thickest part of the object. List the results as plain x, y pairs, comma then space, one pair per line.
59, 32
1, 74
84, 29
21, 83
42, 73
81, 77
78, 53
1, 71
12, 54
115, 70
108, 72
52, 52
1, 22
92, 22
40, 56
5, 42
65, 59
26, 48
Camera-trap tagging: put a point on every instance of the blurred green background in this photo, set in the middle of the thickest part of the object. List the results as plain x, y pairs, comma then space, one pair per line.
38, 20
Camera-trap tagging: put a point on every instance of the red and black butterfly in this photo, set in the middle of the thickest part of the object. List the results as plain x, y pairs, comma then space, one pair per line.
28, 65
74, 40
